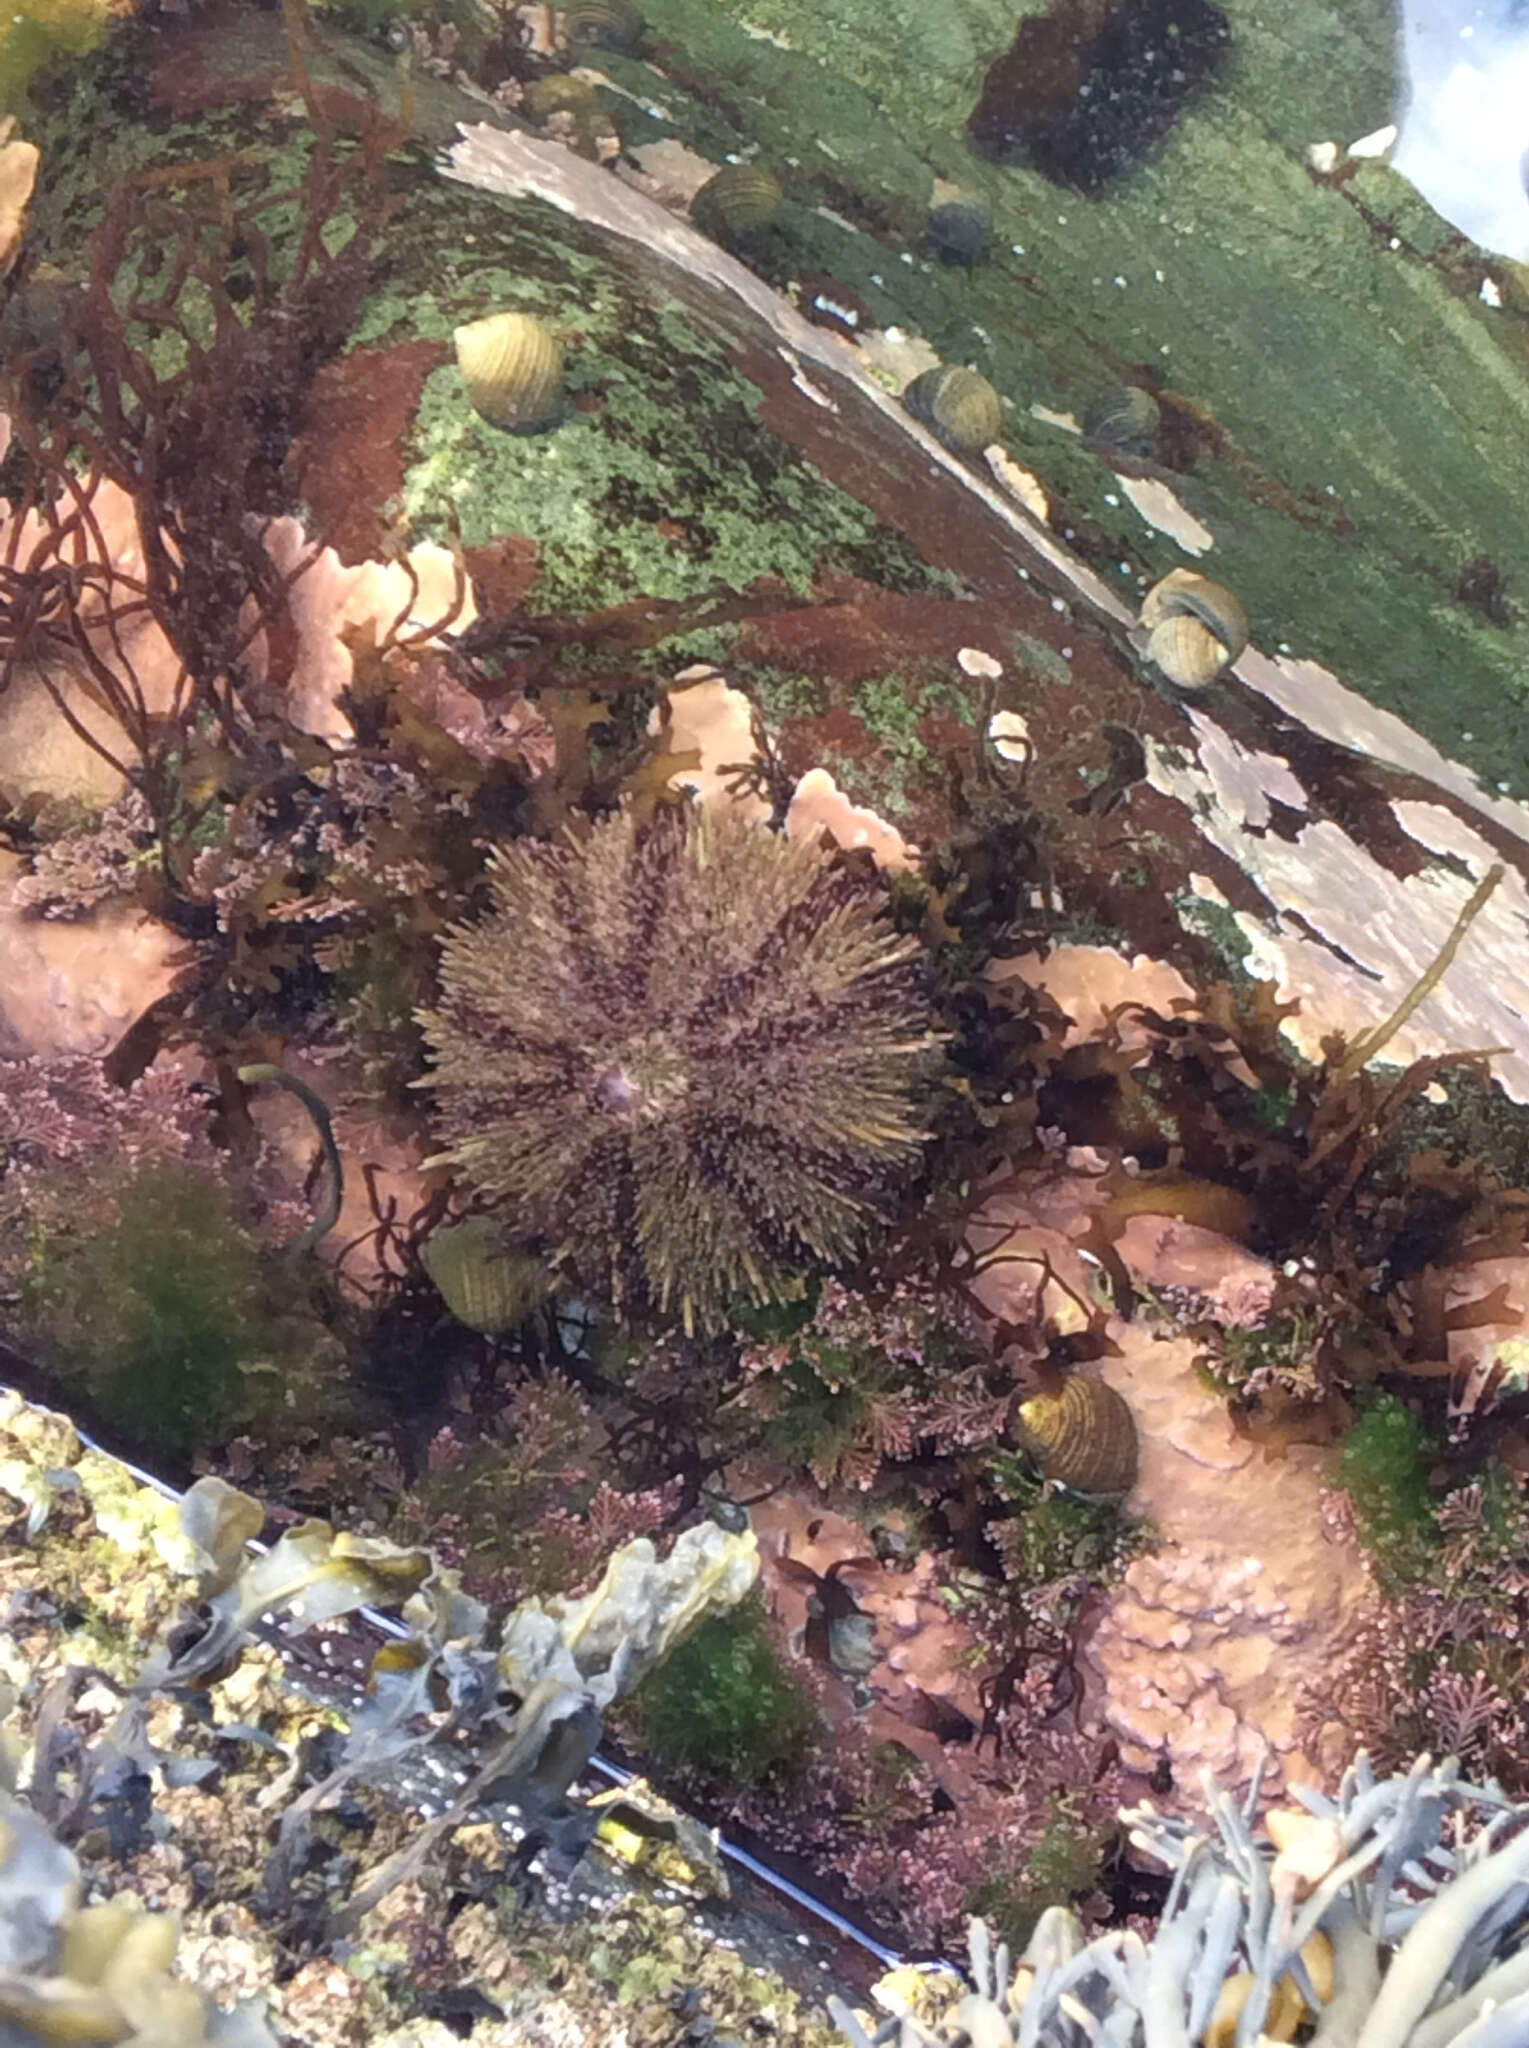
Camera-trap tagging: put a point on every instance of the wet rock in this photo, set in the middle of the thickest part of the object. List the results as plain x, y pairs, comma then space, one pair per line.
1087, 90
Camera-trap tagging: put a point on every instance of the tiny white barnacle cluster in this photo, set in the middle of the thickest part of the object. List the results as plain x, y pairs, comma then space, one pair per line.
1394, 1915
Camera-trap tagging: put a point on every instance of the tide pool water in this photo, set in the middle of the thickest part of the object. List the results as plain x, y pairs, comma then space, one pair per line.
1465, 134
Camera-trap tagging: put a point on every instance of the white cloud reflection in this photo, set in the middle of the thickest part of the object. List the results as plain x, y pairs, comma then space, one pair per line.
1465, 135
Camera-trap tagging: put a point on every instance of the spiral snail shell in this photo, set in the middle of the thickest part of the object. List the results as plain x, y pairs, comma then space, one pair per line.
958, 406
1084, 1437
1195, 628
1125, 419
737, 202
606, 25
513, 369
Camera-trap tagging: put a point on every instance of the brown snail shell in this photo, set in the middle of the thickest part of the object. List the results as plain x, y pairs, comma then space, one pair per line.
484, 1282
1195, 628
737, 202
513, 368
959, 406
1084, 1436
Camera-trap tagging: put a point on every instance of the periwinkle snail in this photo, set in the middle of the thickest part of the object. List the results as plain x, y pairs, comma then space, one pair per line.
737, 202
1083, 1437
1195, 628
959, 407
958, 228
1123, 420
560, 93
513, 369
605, 25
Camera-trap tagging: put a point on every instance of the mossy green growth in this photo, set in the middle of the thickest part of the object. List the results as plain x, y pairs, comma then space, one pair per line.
1059, 1535
1063, 1864
162, 1317
724, 1706
1217, 924
1384, 1465
661, 481
41, 33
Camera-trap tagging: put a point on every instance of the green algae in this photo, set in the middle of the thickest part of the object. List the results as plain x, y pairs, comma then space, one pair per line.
661, 482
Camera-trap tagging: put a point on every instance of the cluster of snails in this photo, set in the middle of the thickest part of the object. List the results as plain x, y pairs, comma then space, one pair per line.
512, 366
1194, 628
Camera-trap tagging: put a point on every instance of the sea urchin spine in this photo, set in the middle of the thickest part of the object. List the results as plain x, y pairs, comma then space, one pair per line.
683, 1053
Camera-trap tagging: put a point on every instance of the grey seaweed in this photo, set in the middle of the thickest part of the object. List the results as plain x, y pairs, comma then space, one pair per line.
1426, 1911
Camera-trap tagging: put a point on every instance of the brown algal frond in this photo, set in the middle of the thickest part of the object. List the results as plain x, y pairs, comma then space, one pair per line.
683, 1051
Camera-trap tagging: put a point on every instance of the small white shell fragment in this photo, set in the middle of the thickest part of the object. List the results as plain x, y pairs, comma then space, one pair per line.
1162, 509
972, 661
1323, 158
1067, 421
1491, 294
803, 382
1374, 145
1018, 482
1010, 734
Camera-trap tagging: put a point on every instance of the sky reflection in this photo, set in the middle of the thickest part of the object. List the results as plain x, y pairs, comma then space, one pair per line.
1465, 135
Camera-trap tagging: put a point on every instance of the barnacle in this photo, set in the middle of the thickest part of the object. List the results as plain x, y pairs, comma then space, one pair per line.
683, 1052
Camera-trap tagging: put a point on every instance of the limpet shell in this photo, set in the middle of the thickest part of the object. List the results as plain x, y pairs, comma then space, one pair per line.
486, 1285
1084, 1436
959, 407
606, 25
513, 368
1195, 628
1124, 418
736, 202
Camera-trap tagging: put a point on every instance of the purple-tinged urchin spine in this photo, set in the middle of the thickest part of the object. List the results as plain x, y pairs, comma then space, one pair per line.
686, 1052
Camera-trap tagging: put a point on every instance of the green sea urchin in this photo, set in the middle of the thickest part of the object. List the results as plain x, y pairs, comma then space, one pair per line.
683, 1052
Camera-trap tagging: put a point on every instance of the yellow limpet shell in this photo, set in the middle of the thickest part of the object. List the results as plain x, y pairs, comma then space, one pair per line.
513, 369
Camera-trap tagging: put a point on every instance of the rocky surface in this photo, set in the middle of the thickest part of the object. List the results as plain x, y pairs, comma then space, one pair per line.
1202, 1648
